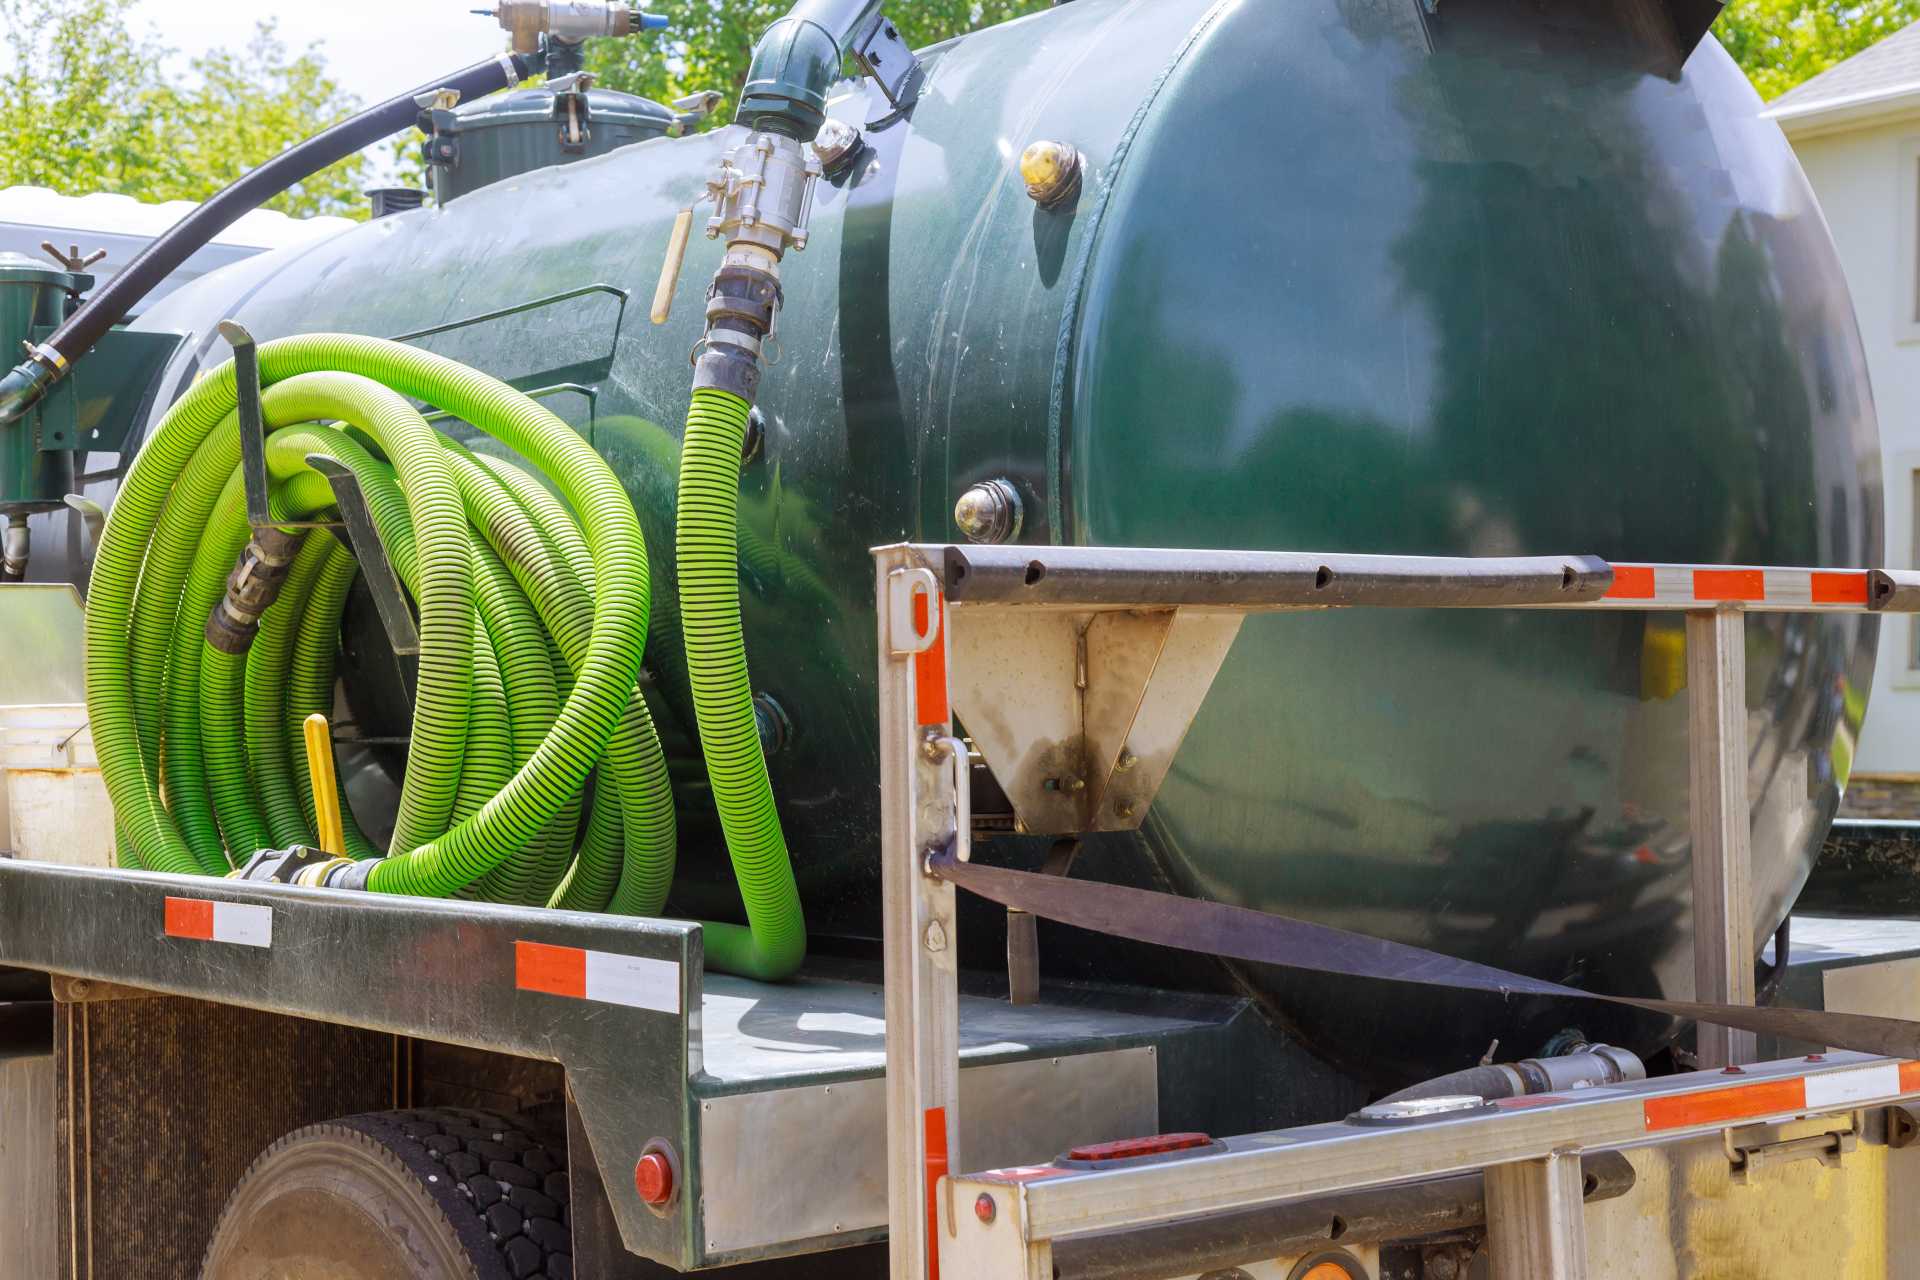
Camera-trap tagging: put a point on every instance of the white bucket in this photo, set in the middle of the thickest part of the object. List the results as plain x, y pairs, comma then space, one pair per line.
56, 803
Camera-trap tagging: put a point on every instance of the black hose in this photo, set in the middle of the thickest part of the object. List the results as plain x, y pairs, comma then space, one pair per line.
113, 301
1488, 1082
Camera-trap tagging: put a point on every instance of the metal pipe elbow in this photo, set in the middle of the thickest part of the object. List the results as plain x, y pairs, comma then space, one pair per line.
796, 62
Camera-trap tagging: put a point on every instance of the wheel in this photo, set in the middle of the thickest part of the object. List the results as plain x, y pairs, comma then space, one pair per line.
441, 1194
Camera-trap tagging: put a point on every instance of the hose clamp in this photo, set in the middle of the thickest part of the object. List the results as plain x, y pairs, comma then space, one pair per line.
47, 355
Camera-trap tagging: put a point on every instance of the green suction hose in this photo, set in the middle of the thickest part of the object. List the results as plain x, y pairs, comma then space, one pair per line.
707, 558
190, 752
531, 624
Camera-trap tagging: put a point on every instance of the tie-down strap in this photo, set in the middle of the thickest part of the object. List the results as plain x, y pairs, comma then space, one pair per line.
1238, 933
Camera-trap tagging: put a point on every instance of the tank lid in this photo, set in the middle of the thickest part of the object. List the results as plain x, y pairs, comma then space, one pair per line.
538, 104
19, 268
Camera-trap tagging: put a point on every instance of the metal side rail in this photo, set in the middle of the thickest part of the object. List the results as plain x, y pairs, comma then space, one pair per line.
1004, 1224
606, 996
768, 1098
1101, 657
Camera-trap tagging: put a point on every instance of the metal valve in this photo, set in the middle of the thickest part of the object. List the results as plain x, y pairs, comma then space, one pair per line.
762, 194
570, 21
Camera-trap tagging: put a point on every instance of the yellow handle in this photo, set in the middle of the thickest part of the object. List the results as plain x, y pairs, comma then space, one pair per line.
670, 269
326, 795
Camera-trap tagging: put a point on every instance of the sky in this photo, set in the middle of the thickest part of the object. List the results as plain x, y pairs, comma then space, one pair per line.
375, 48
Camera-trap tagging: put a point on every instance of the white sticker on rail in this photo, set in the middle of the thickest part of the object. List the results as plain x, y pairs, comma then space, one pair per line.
235, 922
1837, 1088
636, 981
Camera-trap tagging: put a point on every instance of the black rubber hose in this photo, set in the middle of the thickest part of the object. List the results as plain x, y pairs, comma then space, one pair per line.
113, 301
1488, 1082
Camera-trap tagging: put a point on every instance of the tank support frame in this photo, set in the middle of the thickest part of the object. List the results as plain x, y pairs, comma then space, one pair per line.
946, 610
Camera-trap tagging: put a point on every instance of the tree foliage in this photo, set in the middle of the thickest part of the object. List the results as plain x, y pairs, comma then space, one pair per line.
87, 104
711, 43
1780, 43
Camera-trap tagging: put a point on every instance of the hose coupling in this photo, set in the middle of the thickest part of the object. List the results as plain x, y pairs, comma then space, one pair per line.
321, 875
252, 588
14, 548
30, 381
743, 303
1581, 1067
283, 866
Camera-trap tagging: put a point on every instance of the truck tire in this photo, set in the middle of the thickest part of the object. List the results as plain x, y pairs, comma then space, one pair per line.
430, 1194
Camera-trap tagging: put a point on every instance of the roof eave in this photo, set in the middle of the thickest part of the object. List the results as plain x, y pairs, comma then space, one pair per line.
1855, 111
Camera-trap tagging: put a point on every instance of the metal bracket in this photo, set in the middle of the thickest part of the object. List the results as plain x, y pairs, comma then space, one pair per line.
881, 53
253, 430
70, 990
388, 595
1079, 715
1827, 1139
363, 537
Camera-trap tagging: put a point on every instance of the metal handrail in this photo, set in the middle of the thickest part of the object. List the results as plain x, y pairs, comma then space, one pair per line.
925, 590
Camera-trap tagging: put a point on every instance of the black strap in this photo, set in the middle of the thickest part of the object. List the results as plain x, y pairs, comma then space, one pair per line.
1217, 929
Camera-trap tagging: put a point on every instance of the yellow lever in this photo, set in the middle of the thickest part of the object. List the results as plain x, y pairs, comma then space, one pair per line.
670, 269
326, 794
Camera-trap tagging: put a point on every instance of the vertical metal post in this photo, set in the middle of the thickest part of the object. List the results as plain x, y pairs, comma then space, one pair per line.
922, 771
1537, 1219
1723, 950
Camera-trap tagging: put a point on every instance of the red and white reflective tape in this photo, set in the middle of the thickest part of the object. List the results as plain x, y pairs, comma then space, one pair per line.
930, 664
1699, 586
1880, 1081
210, 921
609, 978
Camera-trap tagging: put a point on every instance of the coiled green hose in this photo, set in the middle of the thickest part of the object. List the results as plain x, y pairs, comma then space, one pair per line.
531, 630
706, 554
195, 745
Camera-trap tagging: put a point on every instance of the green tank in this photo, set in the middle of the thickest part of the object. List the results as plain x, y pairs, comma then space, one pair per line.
1355, 275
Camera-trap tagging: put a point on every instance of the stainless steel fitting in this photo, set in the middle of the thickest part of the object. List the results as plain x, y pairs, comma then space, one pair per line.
762, 194
568, 20
838, 145
1594, 1064
15, 548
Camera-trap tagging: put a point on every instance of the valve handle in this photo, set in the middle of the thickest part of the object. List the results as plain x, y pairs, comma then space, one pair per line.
670, 269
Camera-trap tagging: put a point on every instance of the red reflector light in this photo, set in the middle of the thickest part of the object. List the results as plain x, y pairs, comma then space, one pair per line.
653, 1179
1132, 1148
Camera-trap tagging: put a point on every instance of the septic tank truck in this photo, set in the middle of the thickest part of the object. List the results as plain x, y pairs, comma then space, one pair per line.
1245, 614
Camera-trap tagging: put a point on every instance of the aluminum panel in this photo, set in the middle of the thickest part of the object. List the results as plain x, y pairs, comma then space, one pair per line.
787, 1165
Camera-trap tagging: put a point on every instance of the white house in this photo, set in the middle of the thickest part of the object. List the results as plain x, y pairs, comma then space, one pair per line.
122, 226
1856, 128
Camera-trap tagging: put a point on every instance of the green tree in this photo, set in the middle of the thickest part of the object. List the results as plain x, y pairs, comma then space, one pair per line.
711, 43
87, 105
1780, 43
